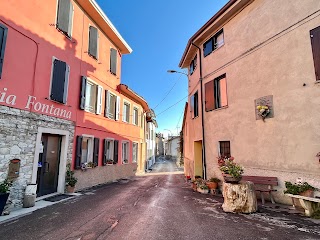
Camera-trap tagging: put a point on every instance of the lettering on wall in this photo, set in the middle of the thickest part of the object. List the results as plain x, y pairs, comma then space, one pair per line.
33, 104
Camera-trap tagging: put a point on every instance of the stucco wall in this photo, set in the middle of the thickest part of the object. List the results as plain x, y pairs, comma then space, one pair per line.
277, 61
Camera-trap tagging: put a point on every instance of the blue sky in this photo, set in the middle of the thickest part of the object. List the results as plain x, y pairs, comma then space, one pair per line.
158, 32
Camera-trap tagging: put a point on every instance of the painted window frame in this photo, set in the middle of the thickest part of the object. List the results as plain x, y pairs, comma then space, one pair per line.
193, 65
111, 150
225, 147
125, 159
135, 160
98, 100
212, 43
116, 115
90, 148
194, 106
124, 112
135, 115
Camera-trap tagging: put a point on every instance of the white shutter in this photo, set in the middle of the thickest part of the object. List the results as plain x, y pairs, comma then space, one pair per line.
118, 108
99, 100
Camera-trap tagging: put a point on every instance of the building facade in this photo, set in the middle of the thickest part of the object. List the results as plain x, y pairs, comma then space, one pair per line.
61, 100
241, 61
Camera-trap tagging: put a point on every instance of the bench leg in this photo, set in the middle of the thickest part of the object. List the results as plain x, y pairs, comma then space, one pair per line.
309, 207
271, 198
262, 198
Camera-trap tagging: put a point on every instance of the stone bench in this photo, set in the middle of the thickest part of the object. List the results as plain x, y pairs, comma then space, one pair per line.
310, 204
263, 184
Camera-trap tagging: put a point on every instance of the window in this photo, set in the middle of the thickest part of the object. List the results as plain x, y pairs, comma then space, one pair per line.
93, 42
110, 155
134, 152
91, 96
194, 105
125, 152
126, 112
216, 93
135, 116
59, 81
193, 65
3, 40
224, 147
315, 43
112, 105
64, 17
113, 61
87, 150
213, 43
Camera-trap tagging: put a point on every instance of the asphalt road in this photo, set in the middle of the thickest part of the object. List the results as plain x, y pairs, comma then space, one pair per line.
155, 207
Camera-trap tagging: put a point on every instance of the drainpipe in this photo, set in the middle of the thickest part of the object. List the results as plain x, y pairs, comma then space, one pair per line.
204, 164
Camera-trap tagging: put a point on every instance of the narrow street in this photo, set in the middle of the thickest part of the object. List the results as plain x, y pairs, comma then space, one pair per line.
155, 207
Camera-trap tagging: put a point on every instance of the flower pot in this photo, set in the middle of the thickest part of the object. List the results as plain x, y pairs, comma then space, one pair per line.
194, 186
203, 191
308, 193
230, 179
70, 189
3, 201
212, 185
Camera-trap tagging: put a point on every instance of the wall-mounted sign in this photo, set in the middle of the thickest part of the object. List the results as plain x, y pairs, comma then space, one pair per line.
14, 169
264, 107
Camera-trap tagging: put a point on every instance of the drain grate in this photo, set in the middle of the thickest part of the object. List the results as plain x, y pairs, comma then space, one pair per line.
57, 198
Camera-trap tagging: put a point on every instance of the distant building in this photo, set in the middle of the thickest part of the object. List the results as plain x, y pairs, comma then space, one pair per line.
159, 144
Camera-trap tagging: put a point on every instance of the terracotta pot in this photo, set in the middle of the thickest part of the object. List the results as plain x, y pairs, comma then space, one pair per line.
70, 189
212, 185
229, 179
308, 193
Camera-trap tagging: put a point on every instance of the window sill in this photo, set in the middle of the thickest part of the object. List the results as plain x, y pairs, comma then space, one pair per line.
217, 109
317, 82
195, 117
64, 34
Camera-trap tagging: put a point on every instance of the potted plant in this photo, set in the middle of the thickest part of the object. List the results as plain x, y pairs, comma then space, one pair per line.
304, 189
195, 183
109, 162
71, 180
213, 183
4, 193
231, 171
203, 188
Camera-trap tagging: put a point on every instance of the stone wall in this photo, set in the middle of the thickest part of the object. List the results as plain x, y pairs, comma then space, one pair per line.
18, 132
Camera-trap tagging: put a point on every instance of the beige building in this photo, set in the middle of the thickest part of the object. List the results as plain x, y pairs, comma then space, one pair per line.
256, 53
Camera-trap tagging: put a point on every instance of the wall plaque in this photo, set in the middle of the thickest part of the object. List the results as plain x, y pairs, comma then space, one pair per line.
14, 169
264, 102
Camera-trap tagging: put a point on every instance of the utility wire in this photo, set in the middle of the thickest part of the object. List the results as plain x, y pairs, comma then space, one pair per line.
171, 106
167, 93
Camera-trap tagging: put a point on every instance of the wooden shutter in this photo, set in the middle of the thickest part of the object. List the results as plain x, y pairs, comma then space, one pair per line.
3, 40
209, 95
78, 152
106, 103
93, 42
223, 92
59, 81
315, 43
104, 158
217, 102
83, 92
196, 105
116, 151
99, 100
64, 16
113, 61
96, 151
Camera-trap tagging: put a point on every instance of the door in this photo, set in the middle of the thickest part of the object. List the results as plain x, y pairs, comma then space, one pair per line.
198, 169
48, 164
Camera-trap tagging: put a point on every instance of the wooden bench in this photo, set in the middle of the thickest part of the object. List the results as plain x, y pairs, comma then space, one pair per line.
310, 204
263, 185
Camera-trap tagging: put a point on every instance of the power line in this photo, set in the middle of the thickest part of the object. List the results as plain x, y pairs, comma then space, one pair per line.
171, 106
167, 93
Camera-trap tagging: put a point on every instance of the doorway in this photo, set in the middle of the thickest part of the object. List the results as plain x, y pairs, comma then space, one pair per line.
198, 170
48, 164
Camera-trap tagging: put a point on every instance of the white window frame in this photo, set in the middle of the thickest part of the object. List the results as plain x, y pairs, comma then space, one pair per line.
124, 112
111, 140
117, 109
123, 152
135, 160
90, 148
134, 115
98, 98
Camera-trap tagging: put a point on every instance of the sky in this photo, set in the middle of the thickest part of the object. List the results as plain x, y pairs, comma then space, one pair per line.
158, 32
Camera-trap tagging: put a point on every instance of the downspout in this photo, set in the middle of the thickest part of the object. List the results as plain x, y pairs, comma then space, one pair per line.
204, 164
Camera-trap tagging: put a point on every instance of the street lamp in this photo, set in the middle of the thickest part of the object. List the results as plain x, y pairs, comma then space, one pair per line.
174, 71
